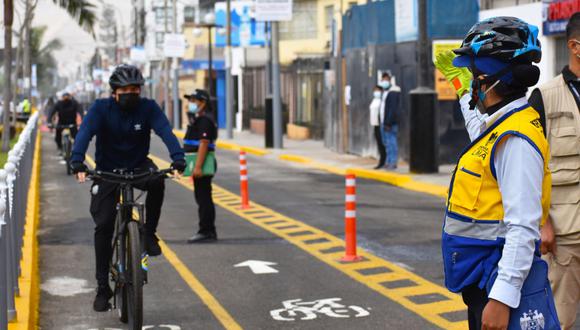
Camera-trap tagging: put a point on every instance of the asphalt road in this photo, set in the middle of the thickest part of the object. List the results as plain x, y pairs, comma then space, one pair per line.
198, 287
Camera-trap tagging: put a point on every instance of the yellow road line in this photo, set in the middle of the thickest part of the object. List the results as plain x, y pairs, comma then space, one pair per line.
427, 299
194, 284
28, 282
400, 180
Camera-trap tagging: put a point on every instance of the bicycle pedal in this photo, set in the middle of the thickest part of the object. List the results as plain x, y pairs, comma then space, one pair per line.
145, 262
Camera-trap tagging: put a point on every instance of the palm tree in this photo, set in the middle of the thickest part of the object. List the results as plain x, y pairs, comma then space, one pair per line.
82, 10
44, 58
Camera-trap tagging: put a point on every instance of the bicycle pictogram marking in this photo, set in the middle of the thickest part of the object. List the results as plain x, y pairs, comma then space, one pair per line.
296, 309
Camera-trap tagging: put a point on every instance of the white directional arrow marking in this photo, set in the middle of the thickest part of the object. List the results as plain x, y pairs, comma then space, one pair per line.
259, 267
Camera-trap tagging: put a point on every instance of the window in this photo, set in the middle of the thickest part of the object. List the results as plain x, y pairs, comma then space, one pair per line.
160, 13
189, 14
159, 36
328, 17
304, 22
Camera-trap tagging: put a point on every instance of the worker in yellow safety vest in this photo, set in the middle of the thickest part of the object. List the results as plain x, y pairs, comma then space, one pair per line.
499, 194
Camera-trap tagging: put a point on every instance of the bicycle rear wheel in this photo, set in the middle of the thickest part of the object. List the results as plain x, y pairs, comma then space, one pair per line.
132, 291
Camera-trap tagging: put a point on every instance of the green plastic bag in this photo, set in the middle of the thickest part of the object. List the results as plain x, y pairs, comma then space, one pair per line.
208, 167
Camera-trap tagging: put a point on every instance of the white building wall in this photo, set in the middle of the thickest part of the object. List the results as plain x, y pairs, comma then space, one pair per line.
531, 13
152, 27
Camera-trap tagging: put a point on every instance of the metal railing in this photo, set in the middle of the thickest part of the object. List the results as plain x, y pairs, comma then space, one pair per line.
14, 184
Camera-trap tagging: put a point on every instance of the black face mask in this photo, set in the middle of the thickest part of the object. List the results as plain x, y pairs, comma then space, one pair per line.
128, 101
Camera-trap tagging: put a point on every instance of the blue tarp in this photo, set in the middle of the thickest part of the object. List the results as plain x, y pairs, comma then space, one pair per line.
374, 23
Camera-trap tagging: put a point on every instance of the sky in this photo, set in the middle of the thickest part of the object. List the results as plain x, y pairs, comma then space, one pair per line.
78, 45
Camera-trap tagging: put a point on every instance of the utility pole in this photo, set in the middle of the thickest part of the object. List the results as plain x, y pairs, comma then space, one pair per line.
229, 94
276, 102
8, 19
176, 108
166, 66
135, 23
424, 119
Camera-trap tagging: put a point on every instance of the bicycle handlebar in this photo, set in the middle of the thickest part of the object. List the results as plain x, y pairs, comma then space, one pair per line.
62, 126
127, 177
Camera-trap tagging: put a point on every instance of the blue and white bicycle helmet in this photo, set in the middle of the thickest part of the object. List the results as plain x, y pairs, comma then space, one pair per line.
508, 39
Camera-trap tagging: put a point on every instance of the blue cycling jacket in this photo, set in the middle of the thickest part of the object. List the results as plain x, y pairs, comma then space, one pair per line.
123, 137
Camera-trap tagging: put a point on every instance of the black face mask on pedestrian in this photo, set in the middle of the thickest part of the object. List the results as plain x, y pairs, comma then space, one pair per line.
128, 101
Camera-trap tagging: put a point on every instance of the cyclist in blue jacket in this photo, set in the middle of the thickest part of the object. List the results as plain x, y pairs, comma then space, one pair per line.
122, 124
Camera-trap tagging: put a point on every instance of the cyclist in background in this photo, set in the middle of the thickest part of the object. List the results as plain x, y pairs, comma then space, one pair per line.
123, 124
66, 109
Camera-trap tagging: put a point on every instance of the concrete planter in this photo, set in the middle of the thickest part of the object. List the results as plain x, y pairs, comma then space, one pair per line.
296, 132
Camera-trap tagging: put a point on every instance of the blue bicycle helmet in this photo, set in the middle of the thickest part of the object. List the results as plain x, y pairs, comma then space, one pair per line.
508, 39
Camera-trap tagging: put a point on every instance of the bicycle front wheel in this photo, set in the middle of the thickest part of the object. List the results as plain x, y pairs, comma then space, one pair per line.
133, 288
67, 154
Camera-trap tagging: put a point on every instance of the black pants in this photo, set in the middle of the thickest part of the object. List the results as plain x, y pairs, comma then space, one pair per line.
104, 198
58, 136
380, 146
206, 208
475, 299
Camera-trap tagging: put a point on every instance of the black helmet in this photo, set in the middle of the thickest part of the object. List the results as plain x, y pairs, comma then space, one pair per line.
126, 75
508, 39
199, 94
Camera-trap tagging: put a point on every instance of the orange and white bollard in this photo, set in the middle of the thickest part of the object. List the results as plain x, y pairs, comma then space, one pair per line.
350, 220
244, 180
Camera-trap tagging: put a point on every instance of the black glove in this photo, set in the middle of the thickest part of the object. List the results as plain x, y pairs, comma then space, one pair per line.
179, 165
78, 167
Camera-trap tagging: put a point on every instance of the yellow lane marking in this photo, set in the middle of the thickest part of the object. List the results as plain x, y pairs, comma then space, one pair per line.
194, 284
395, 282
28, 282
231, 146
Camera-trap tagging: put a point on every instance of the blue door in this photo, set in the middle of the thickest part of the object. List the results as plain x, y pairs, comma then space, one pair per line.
221, 98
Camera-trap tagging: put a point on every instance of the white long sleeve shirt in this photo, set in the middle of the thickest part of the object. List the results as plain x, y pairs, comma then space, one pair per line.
375, 108
520, 174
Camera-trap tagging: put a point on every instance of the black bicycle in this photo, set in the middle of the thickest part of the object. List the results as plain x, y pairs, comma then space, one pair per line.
66, 142
129, 264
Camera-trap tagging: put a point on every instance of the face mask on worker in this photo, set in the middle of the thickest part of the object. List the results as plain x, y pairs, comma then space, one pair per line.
482, 95
385, 84
193, 108
128, 101
377, 94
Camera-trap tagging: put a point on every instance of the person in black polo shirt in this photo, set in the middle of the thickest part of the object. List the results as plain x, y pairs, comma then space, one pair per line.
200, 138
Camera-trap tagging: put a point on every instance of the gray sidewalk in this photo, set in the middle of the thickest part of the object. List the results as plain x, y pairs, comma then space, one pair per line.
317, 152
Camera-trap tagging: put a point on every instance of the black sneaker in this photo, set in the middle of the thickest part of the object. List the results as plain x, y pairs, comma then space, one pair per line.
152, 245
202, 238
104, 293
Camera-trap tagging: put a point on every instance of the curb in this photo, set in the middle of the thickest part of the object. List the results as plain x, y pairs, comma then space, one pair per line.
29, 281
404, 181
231, 146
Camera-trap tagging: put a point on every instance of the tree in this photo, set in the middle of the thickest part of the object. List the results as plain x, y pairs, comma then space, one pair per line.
8, 19
44, 58
108, 36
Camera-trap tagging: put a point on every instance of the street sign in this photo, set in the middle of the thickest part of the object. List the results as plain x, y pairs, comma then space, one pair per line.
273, 10
259, 267
174, 45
